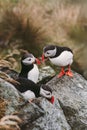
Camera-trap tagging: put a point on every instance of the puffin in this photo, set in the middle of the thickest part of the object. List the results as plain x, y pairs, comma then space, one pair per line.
31, 90
59, 56
29, 68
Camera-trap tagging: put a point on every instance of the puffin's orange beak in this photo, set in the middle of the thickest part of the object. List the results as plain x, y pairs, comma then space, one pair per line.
38, 61
43, 57
51, 100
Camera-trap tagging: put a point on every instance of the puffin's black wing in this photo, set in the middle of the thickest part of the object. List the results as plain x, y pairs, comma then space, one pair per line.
26, 84
61, 49
25, 69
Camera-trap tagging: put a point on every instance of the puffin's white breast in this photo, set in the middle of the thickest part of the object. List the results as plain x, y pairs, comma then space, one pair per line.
64, 59
34, 74
28, 95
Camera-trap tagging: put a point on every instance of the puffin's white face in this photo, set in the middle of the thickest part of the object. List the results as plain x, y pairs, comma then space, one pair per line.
45, 93
50, 53
28, 60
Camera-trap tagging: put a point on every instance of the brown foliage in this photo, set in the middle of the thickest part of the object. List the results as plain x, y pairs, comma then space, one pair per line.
2, 107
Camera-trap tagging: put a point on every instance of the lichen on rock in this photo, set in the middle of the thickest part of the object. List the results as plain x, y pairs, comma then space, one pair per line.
72, 96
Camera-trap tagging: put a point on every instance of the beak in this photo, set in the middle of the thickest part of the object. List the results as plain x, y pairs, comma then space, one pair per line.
44, 58
51, 100
38, 61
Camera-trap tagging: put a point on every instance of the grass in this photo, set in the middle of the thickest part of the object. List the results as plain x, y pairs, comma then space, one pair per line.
18, 22
31, 24
38, 22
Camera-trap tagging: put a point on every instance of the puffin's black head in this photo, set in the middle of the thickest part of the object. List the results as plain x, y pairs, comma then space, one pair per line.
49, 51
46, 92
47, 88
29, 59
48, 47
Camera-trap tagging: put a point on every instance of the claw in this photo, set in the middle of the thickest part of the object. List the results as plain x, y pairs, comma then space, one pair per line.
61, 73
69, 73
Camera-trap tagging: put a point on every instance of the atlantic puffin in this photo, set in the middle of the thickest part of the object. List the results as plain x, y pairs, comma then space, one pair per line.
59, 56
29, 69
31, 90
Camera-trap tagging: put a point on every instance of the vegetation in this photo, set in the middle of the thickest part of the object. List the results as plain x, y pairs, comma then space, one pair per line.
2, 107
31, 24
35, 22
19, 22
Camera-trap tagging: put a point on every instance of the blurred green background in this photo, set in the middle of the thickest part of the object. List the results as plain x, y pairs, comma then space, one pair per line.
32, 24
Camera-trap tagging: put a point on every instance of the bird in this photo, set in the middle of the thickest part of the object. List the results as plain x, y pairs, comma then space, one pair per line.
29, 68
31, 90
25, 82
59, 56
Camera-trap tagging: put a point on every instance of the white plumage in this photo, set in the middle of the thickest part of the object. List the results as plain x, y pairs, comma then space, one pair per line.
34, 74
64, 59
28, 95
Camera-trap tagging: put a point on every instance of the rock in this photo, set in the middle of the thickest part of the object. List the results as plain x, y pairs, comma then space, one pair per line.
72, 96
16, 104
46, 73
40, 114
10, 94
53, 118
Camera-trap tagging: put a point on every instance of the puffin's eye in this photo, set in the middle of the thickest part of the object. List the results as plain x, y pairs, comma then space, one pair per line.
48, 53
48, 93
29, 59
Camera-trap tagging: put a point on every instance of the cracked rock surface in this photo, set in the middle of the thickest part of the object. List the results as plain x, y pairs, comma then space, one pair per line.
69, 111
72, 96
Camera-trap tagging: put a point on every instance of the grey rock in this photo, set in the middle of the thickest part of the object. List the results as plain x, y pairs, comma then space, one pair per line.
39, 115
53, 118
72, 96
46, 73
17, 104
10, 94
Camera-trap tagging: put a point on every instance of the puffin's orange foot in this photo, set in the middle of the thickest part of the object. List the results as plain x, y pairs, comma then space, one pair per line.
61, 74
69, 73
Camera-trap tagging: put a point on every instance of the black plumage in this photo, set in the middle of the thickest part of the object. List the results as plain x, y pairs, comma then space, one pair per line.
59, 50
26, 84
25, 69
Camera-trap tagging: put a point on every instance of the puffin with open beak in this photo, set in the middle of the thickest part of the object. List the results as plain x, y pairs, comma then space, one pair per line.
59, 56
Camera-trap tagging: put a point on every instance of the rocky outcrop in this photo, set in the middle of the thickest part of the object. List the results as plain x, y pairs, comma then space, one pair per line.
69, 111
72, 96
40, 114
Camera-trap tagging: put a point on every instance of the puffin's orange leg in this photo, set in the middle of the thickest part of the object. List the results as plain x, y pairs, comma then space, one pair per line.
61, 73
69, 73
